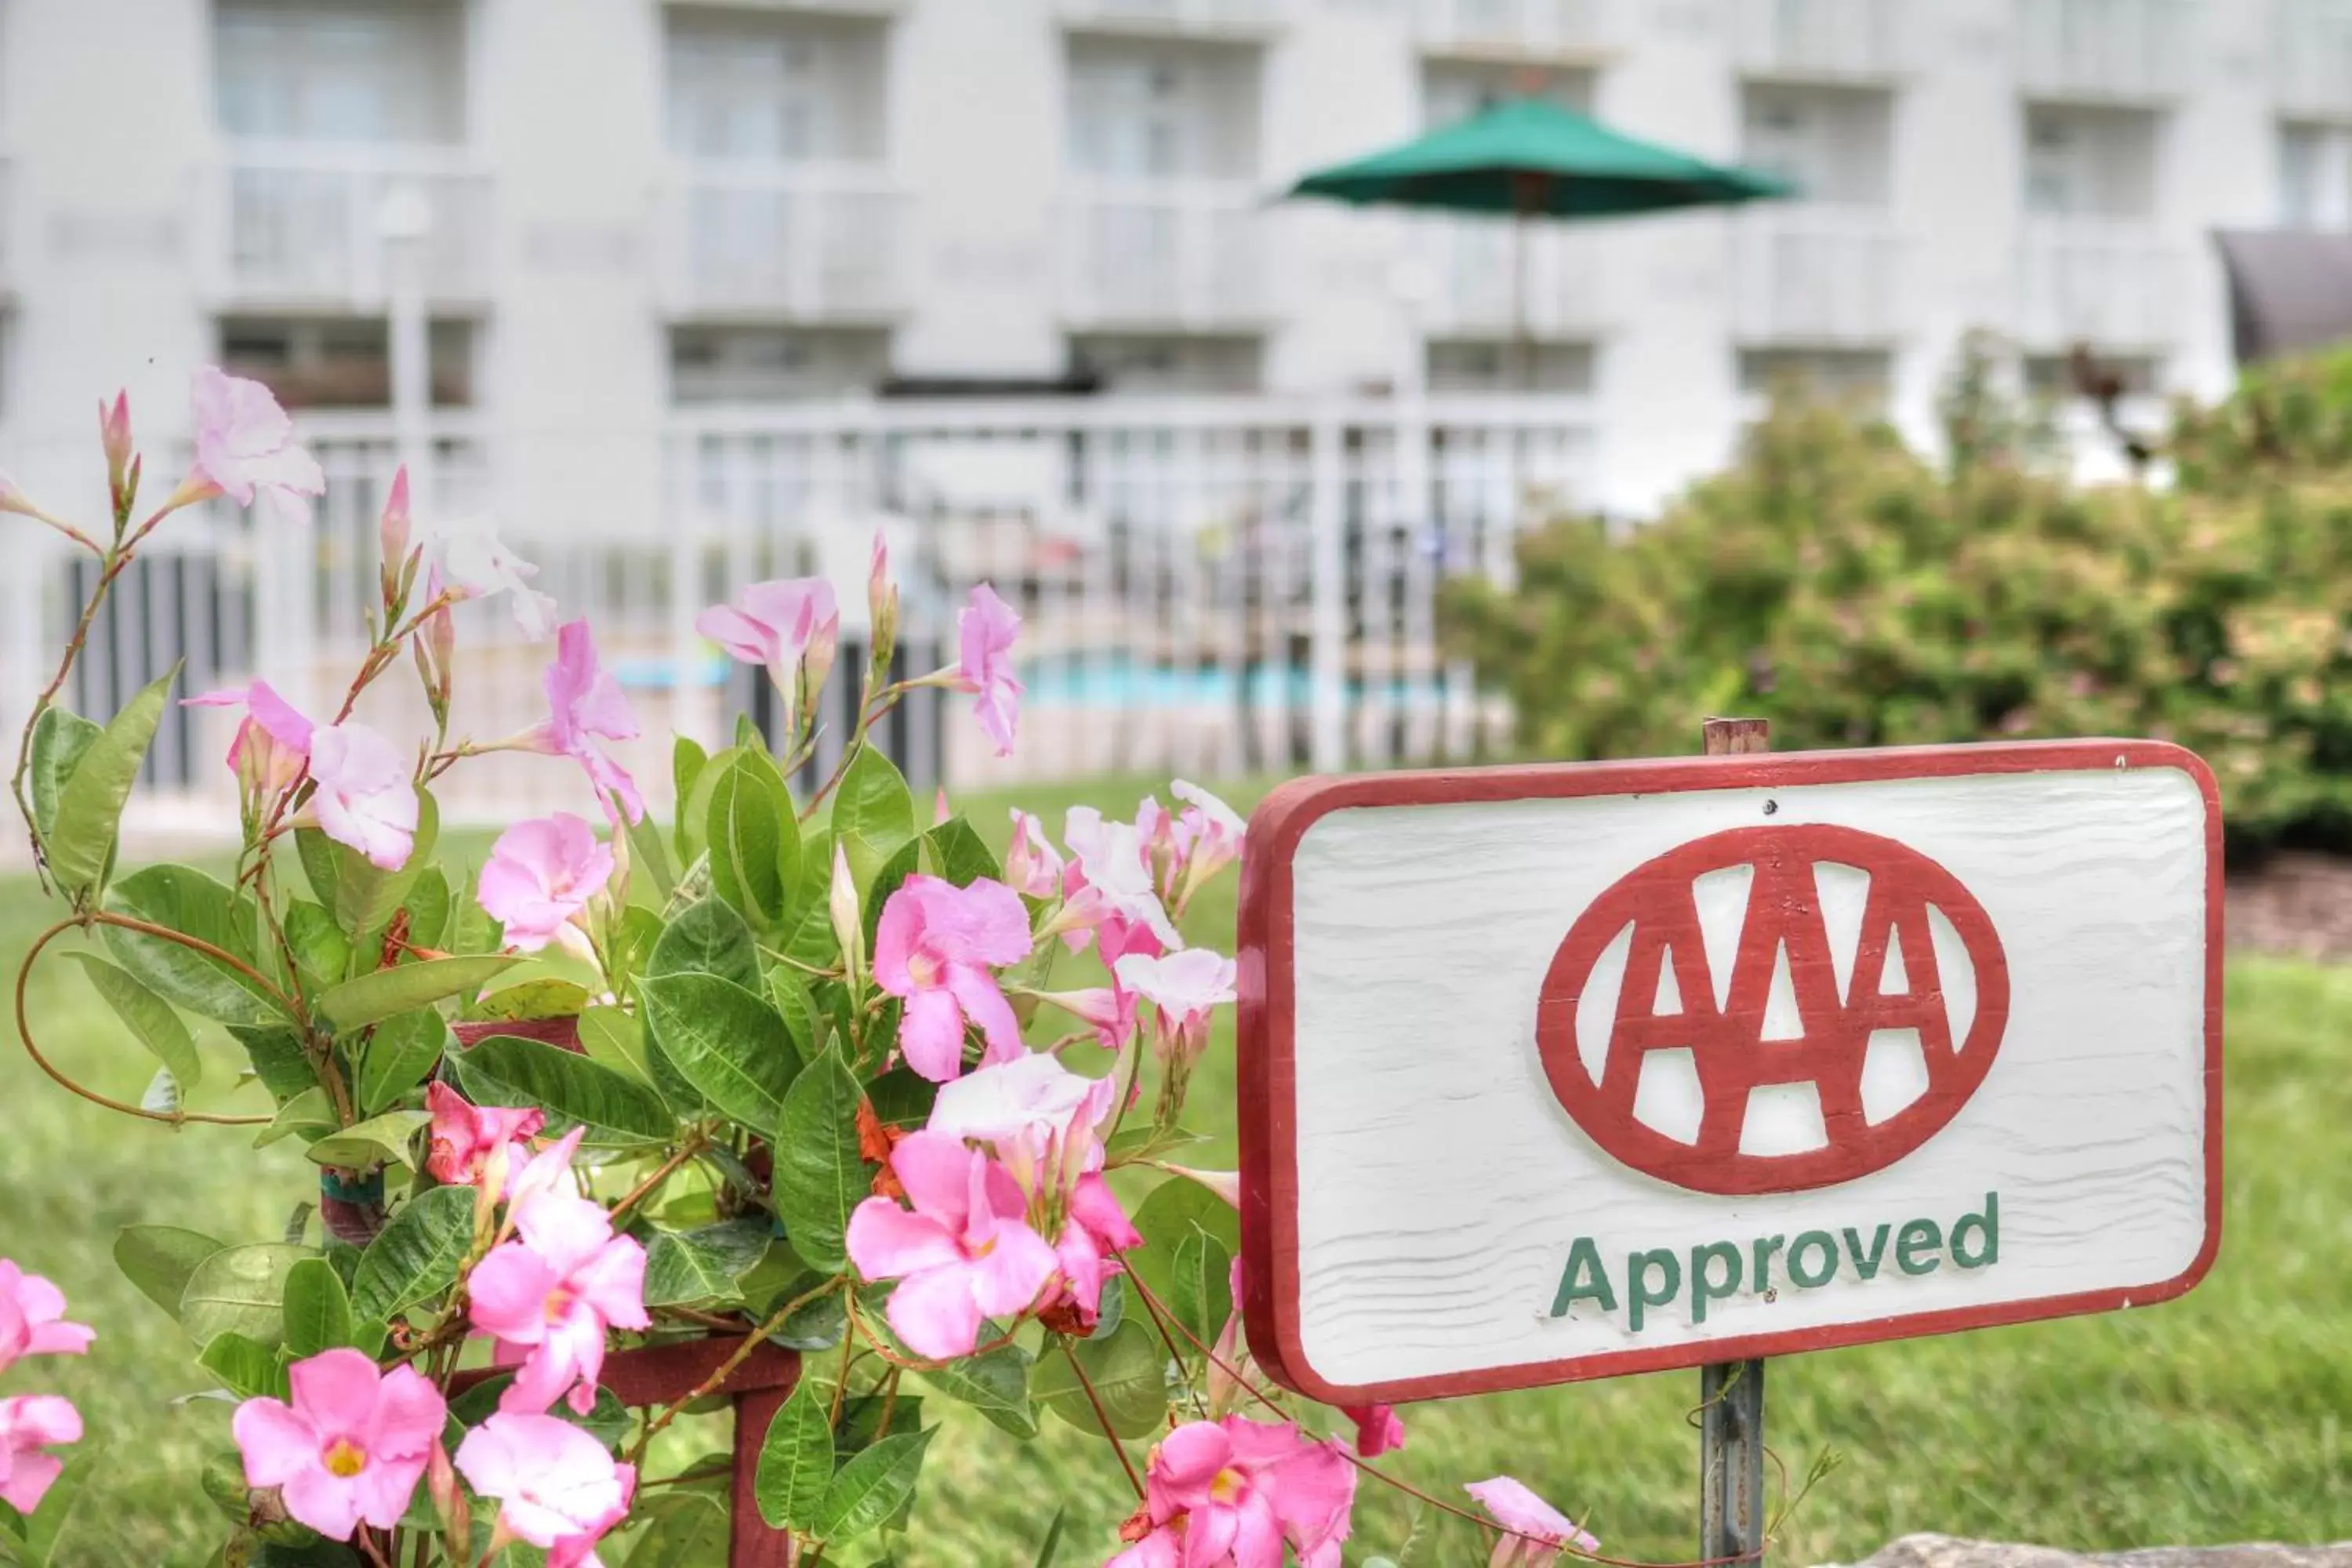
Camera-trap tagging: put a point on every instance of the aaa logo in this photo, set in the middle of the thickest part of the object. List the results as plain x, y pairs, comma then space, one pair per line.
1773, 1008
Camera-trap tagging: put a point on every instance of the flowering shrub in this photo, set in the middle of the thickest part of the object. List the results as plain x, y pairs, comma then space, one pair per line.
764, 1079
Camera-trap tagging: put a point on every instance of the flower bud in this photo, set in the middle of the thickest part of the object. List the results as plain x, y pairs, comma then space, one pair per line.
114, 435
848, 928
393, 527
449, 1504
816, 664
882, 605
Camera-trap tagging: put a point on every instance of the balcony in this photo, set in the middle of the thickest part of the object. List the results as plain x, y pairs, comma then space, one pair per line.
793, 241
2119, 50
1471, 270
1816, 274
1163, 256
1822, 40
2112, 284
2311, 59
1212, 19
302, 226
1574, 29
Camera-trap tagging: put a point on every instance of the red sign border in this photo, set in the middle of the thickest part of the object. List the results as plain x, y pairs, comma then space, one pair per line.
1268, 1070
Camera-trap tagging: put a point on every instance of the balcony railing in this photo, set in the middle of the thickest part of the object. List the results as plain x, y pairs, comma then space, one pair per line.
1212, 16
1482, 286
1183, 255
2130, 50
305, 224
803, 241
1811, 273
1822, 38
1519, 26
2311, 57
2112, 284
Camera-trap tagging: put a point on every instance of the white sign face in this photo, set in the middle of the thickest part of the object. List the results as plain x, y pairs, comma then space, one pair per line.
1563, 1072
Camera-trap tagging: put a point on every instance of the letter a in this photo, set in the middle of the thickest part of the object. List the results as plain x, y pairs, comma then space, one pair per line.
1584, 1278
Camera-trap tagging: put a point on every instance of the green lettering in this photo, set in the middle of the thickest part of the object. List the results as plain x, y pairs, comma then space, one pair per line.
1761, 1279
1866, 1265
1584, 1279
1703, 1288
1987, 1225
1639, 1296
1916, 1237
1827, 1246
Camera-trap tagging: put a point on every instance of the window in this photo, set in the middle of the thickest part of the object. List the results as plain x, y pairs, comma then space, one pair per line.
2084, 162
1832, 143
2314, 176
775, 364
358, 70
1163, 366
342, 362
1146, 108
1456, 90
1862, 377
777, 89
1493, 365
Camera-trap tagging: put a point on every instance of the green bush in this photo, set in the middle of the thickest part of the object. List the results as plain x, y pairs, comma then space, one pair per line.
1840, 585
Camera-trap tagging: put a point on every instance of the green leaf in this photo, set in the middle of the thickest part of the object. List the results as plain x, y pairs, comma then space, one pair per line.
90, 807
507, 1070
1051, 1547
790, 994
725, 1041
365, 893
399, 1054
960, 855
381, 993
474, 930
428, 907
239, 1289
246, 1367
886, 881
179, 899
687, 761
317, 1310
317, 853
159, 1259
308, 1115
69, 1522
873, 813
614, 1038
871, 1487
322, 951
819, 1177
796, 1460
648, 855
379, 1140
59, 738
751, 832
1129, 1371
1201, 1286
277, 1060
685, 1267
859, 1426
416, 1256
530, 1001
996, 1384
817, 1325
688, 1529
147, 1017
708, 938
1169, 1215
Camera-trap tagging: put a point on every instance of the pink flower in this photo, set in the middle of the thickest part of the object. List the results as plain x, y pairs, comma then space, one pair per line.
32, 1319
987, 629
1110, 894
1226, 1184
393, 524
933, 950
1182, 989
1108, 1010
1210, 835
351, 1448
1539, 1531
1378, 1430
473, 563
465, 1136
557, 1288
365, 797
114, 440
557, 1487
1032, 866
540, 874
28, 1424
245, 446
1235, 1491
585, 705
272, 742
965, 1251
776, 624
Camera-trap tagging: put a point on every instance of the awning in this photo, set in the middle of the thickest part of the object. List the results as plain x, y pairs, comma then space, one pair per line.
2289, 290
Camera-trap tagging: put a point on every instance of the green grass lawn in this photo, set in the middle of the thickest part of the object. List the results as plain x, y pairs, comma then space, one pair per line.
2215, 1418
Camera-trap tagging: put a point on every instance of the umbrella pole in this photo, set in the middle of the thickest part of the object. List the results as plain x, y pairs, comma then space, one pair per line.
1522, 349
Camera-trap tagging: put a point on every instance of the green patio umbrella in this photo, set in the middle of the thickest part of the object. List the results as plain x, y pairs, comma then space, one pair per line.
1531, 157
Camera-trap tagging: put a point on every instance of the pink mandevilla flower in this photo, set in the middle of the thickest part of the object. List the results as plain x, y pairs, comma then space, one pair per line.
965, 1251
351, 1448
540, 874
775, 624
1108, 1010
1235, 1492
1538, 1532
1110, 890
1183, 989
585, 705
556, 1288
394, 524
1211, 834
245, 446
29, 1424
464, 1136
933, 950
365, 797
32, 1319
556, 1485
473, 563
987, 628
272, 740
1032, 866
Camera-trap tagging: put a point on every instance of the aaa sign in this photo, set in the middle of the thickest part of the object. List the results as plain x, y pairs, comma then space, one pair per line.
1561, 1072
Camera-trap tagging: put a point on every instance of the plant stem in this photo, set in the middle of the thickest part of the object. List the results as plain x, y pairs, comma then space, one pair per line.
711, 1384
1102, 1417
693, 1146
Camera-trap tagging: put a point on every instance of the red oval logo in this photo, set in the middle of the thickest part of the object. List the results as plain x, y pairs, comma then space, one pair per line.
1769, 1009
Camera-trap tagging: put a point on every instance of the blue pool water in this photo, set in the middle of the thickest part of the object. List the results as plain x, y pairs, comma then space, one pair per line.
1105, 680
